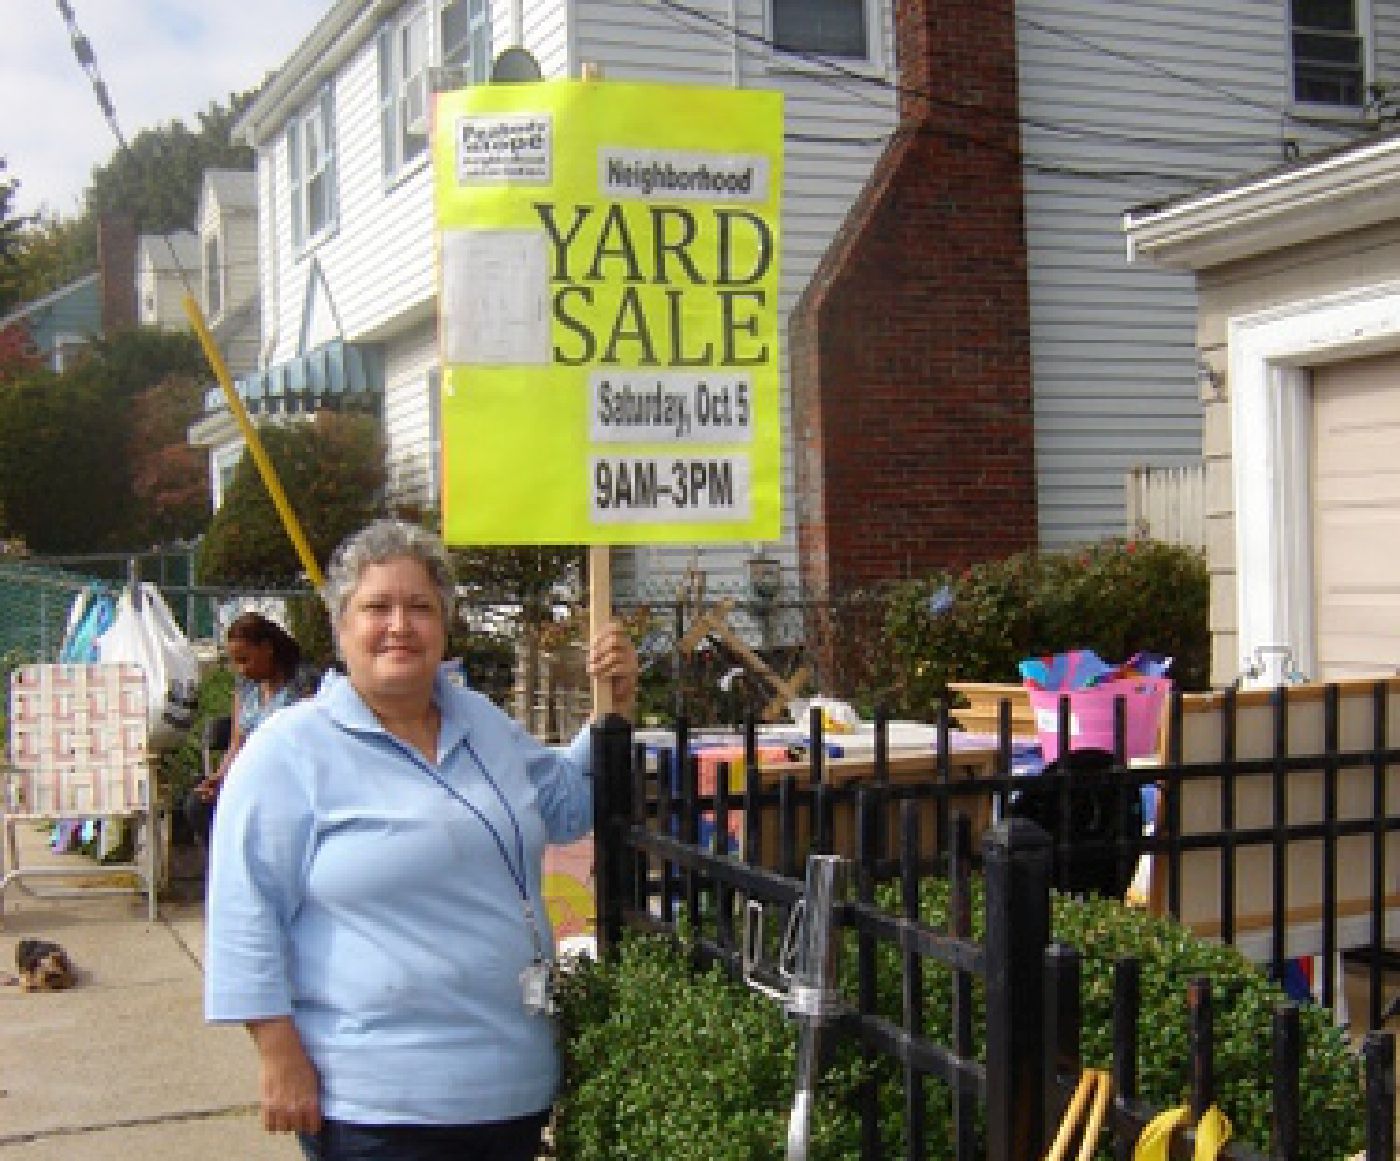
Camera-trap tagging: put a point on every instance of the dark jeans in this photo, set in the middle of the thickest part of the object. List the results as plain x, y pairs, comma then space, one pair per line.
200, 816
517, 1140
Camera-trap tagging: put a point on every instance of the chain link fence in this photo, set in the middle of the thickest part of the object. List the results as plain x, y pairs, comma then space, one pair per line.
34, 604
726, 657
712, 657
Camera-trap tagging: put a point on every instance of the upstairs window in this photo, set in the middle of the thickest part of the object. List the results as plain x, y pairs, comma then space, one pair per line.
213, 278
403, 90
466, 37
1328, 65
834, 28
311, 170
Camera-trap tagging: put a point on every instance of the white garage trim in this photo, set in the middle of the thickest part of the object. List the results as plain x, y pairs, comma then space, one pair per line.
1270, 420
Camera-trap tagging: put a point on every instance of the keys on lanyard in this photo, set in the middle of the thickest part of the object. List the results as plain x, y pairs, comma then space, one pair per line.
537, 978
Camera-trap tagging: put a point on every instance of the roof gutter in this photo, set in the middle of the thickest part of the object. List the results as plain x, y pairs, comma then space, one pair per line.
337, 35
1344, 191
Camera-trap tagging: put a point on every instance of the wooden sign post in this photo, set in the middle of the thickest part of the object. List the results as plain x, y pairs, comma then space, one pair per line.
599, 614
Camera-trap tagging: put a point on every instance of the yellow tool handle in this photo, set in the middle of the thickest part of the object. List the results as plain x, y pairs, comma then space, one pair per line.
250, 437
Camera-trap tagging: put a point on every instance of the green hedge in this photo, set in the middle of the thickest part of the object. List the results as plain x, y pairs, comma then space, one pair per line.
1115, 597
662, 1061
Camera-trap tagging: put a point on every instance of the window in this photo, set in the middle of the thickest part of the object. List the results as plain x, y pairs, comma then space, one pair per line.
837, 28
67, 350
1327, 56
213, 278
403, 90
311, 170
466, 37
225, 467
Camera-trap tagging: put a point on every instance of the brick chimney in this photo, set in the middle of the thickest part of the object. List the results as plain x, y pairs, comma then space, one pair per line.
910, 347
116, 267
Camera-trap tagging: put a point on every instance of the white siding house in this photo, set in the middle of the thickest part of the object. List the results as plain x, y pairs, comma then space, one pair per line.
1298, 273
1121, 105
348, 249
227, 226
1135, 102
163, 264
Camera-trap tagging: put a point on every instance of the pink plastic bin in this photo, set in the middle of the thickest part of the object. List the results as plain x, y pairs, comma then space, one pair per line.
1091, 715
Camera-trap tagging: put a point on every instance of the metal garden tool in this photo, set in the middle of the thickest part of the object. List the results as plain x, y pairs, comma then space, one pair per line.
807, 964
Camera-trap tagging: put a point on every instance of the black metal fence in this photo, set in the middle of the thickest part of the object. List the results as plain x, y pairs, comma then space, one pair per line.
670, 855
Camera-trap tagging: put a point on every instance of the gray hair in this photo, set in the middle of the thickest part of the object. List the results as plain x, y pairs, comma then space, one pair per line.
378, 543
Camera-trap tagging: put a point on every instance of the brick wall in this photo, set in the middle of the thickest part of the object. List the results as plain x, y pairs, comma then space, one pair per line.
910, 348
116, 263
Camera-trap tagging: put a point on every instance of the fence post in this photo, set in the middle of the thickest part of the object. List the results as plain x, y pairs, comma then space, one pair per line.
1016, 854
1378, 1053
614, 869
1063, 1020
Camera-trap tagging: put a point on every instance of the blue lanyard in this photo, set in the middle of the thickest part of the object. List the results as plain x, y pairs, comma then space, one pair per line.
517, 875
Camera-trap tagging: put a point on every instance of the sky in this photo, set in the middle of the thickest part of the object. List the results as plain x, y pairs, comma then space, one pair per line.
162, 60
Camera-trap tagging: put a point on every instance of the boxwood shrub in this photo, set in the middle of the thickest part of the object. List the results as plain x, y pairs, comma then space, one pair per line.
1116, 597
664, 1061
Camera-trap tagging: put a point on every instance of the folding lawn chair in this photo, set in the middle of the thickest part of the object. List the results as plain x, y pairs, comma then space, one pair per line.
78, 750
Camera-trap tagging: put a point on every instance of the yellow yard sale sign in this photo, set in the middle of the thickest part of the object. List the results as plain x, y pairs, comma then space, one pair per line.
609, 312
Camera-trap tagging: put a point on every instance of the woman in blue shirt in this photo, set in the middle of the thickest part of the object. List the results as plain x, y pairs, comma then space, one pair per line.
268, 674
375, 910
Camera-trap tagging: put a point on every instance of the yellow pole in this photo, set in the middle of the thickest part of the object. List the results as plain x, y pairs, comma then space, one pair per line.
250, 437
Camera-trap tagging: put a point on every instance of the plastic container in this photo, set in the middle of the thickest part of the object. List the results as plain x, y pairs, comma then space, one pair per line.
1091, 715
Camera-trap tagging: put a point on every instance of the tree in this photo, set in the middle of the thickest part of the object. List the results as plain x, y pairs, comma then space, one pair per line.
65, 442
332, 471
157, 182
169, 478
62, 486
529, 577
158, 179
12, 227
18, 354
54, 252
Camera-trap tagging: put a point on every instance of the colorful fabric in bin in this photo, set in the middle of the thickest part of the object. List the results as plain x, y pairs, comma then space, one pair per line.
1085, 669
1092, 687
1075, 669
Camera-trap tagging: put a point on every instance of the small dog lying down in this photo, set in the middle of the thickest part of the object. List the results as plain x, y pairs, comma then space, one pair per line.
43, 966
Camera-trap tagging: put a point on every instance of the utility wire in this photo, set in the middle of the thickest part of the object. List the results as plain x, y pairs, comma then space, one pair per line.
831, 71
87, 60
1171, 74
1138, 179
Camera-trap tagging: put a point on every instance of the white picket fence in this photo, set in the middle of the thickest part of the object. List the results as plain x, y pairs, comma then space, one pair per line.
1167, 504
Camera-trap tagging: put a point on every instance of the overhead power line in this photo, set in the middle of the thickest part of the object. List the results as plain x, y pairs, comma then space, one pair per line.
87, 60
858, 83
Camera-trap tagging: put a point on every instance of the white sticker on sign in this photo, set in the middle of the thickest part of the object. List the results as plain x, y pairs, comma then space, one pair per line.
495, 297
670, 407
651, 489
508, 147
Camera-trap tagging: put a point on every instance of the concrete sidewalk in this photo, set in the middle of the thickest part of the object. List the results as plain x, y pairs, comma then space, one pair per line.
123, 1065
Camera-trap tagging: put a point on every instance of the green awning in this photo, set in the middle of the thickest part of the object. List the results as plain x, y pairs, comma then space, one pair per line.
309, 381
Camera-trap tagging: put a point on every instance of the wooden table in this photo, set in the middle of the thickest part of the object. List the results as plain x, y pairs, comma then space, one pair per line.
905, 767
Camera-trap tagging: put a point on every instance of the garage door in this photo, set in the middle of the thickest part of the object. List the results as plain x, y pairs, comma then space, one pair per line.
1356, 517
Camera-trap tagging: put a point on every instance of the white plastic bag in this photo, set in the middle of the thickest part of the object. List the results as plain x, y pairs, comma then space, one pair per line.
838, 717
144, 633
